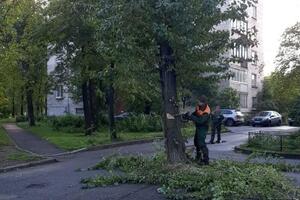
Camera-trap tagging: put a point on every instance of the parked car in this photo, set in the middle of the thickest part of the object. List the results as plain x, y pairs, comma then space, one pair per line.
232, 117
123, 115
291, 121
267, 118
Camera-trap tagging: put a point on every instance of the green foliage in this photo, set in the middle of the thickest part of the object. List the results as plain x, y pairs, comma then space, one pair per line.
265, 99
228, 98
295, 112
282, 88
68, 123
266, 142
141, 123
220, 180
21, 119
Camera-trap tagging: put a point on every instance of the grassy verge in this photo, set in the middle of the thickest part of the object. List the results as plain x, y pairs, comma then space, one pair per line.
20, 156
9, 155
220, 180
4, 140
73, 141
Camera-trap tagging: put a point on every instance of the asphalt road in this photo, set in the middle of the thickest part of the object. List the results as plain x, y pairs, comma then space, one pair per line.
62, 180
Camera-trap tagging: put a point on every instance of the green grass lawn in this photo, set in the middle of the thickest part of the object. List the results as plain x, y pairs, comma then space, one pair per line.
4, 140
73, 141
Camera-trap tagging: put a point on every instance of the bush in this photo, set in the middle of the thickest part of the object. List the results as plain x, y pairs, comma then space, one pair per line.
68, 123
295, 112
140, 123
221, 180
21, 119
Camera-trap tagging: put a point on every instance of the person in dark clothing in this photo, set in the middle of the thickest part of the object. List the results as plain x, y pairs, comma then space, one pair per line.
217, 119
201, 119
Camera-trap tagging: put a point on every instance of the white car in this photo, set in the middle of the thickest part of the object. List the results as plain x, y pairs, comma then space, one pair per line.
232, 117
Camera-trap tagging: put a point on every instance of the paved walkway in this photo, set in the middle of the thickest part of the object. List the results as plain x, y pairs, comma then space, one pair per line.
62, 180
30, 142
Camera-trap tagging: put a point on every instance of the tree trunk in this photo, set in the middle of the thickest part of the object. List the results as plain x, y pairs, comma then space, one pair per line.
46, 106
86, 109
13, 113
111, 102
30, 110
174, 143
92, 104
22, 105
147, 108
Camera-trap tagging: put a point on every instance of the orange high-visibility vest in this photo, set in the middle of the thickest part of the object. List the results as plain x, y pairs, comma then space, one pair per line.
199, 112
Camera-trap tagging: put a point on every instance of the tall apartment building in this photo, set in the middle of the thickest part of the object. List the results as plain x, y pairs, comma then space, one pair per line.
248, 76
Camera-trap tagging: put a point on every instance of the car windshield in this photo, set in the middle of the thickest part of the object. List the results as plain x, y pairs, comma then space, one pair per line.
263, 114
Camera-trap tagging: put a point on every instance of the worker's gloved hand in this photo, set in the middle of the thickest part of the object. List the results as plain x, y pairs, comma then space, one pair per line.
186, 116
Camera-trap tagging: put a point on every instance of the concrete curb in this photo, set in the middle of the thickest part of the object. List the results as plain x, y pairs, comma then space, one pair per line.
269, 153
27, 165
107, 146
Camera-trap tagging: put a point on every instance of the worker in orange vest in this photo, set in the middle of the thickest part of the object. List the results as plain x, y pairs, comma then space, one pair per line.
201, 118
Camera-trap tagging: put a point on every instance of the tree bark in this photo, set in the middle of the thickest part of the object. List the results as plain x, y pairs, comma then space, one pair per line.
13, 113
174, 143
92, 104
22, 105
147, 109
86, 109
46, 106
111, 106
30, 109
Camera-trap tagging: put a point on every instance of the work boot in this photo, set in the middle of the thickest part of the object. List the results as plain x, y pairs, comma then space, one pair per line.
198, 156
205, 159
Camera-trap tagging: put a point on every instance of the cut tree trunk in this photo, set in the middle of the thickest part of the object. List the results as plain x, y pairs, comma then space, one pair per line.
174, 143
111, 105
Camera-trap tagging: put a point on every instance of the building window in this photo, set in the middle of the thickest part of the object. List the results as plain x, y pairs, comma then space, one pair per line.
239, 75
254, 80
59, 92
254, 57
240, 51
254, 12
79, 111
254, 102
244, 100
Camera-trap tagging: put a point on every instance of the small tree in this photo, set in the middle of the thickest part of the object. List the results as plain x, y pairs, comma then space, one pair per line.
228, 98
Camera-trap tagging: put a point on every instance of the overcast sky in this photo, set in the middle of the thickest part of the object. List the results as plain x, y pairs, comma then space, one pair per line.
278, 15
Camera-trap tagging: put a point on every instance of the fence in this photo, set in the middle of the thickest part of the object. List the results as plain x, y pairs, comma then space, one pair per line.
275, 141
